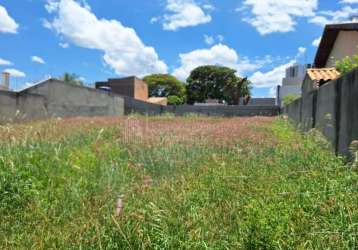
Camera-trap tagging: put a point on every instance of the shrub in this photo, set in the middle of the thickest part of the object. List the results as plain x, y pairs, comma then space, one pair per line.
290, 99
347, 64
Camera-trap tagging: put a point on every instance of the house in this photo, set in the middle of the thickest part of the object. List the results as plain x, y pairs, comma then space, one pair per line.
292, 83
315, 78
338, 41
129, 86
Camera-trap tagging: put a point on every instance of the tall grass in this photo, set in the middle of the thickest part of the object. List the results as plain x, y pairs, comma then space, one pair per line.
182, 183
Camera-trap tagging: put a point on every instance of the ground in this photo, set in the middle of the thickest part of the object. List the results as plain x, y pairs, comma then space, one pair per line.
173, 183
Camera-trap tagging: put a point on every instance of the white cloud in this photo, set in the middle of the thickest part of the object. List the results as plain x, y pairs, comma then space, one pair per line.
38, 59
349, 1
51, 6
123, 49
7, 23
15, 73
184, 13
217, 55
339, 16
209, 40
4, 62
64, 45
271, 16
301, 52
154, 19
271, 78
208, 7
274, 77
316, 42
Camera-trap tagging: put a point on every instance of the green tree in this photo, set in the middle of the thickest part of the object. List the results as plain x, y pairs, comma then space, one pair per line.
175, 100
216, 82
164, 85
71, 79
238, 89
347, 64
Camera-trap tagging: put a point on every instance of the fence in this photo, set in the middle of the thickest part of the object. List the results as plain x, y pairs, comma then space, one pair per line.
54, 98
141, 107
333, 109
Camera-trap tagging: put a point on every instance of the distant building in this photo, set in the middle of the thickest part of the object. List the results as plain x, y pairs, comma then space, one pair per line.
5, 81
338, 41
129, 86
292, 83
158, 100
209, 102
315, 78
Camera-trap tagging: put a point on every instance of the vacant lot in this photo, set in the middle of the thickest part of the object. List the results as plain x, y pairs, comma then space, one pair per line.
173, 183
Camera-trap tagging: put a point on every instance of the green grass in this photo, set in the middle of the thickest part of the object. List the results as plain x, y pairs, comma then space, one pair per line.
277, 190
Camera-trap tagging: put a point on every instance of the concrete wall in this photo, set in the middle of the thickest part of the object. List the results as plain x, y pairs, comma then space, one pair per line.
8, 106
66, 100
308, 107
260, 102
136, 106
57, 99
16, 106
325, 116
227, 111
286, 90
333, 109
54, 98
294, 110
132, 105
348, 115
308, 85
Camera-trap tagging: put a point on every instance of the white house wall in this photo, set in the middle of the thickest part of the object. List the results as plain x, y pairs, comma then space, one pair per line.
345, 45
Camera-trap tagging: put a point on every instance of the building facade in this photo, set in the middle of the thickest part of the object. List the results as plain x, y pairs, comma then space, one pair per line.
5, 81
292, 83
129, 86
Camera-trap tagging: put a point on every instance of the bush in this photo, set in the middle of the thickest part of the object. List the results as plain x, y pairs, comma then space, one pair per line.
347, 64
290, 99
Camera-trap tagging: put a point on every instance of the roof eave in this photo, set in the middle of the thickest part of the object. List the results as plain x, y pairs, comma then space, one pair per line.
329, 37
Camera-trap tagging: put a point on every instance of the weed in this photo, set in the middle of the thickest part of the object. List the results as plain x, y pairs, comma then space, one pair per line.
173, 183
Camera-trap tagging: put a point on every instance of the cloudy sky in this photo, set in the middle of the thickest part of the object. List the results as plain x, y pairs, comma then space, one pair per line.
100, 39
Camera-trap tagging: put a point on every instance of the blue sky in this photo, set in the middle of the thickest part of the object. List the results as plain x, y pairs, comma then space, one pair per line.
99, 39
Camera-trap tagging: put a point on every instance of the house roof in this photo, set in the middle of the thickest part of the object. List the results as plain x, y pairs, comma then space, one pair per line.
328, 40
158, 100
324, 74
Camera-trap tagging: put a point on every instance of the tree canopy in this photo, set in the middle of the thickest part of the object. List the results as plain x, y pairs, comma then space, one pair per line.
216, 82
71, 79
164, 85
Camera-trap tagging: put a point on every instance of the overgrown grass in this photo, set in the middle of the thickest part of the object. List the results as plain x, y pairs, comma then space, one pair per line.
228, 184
